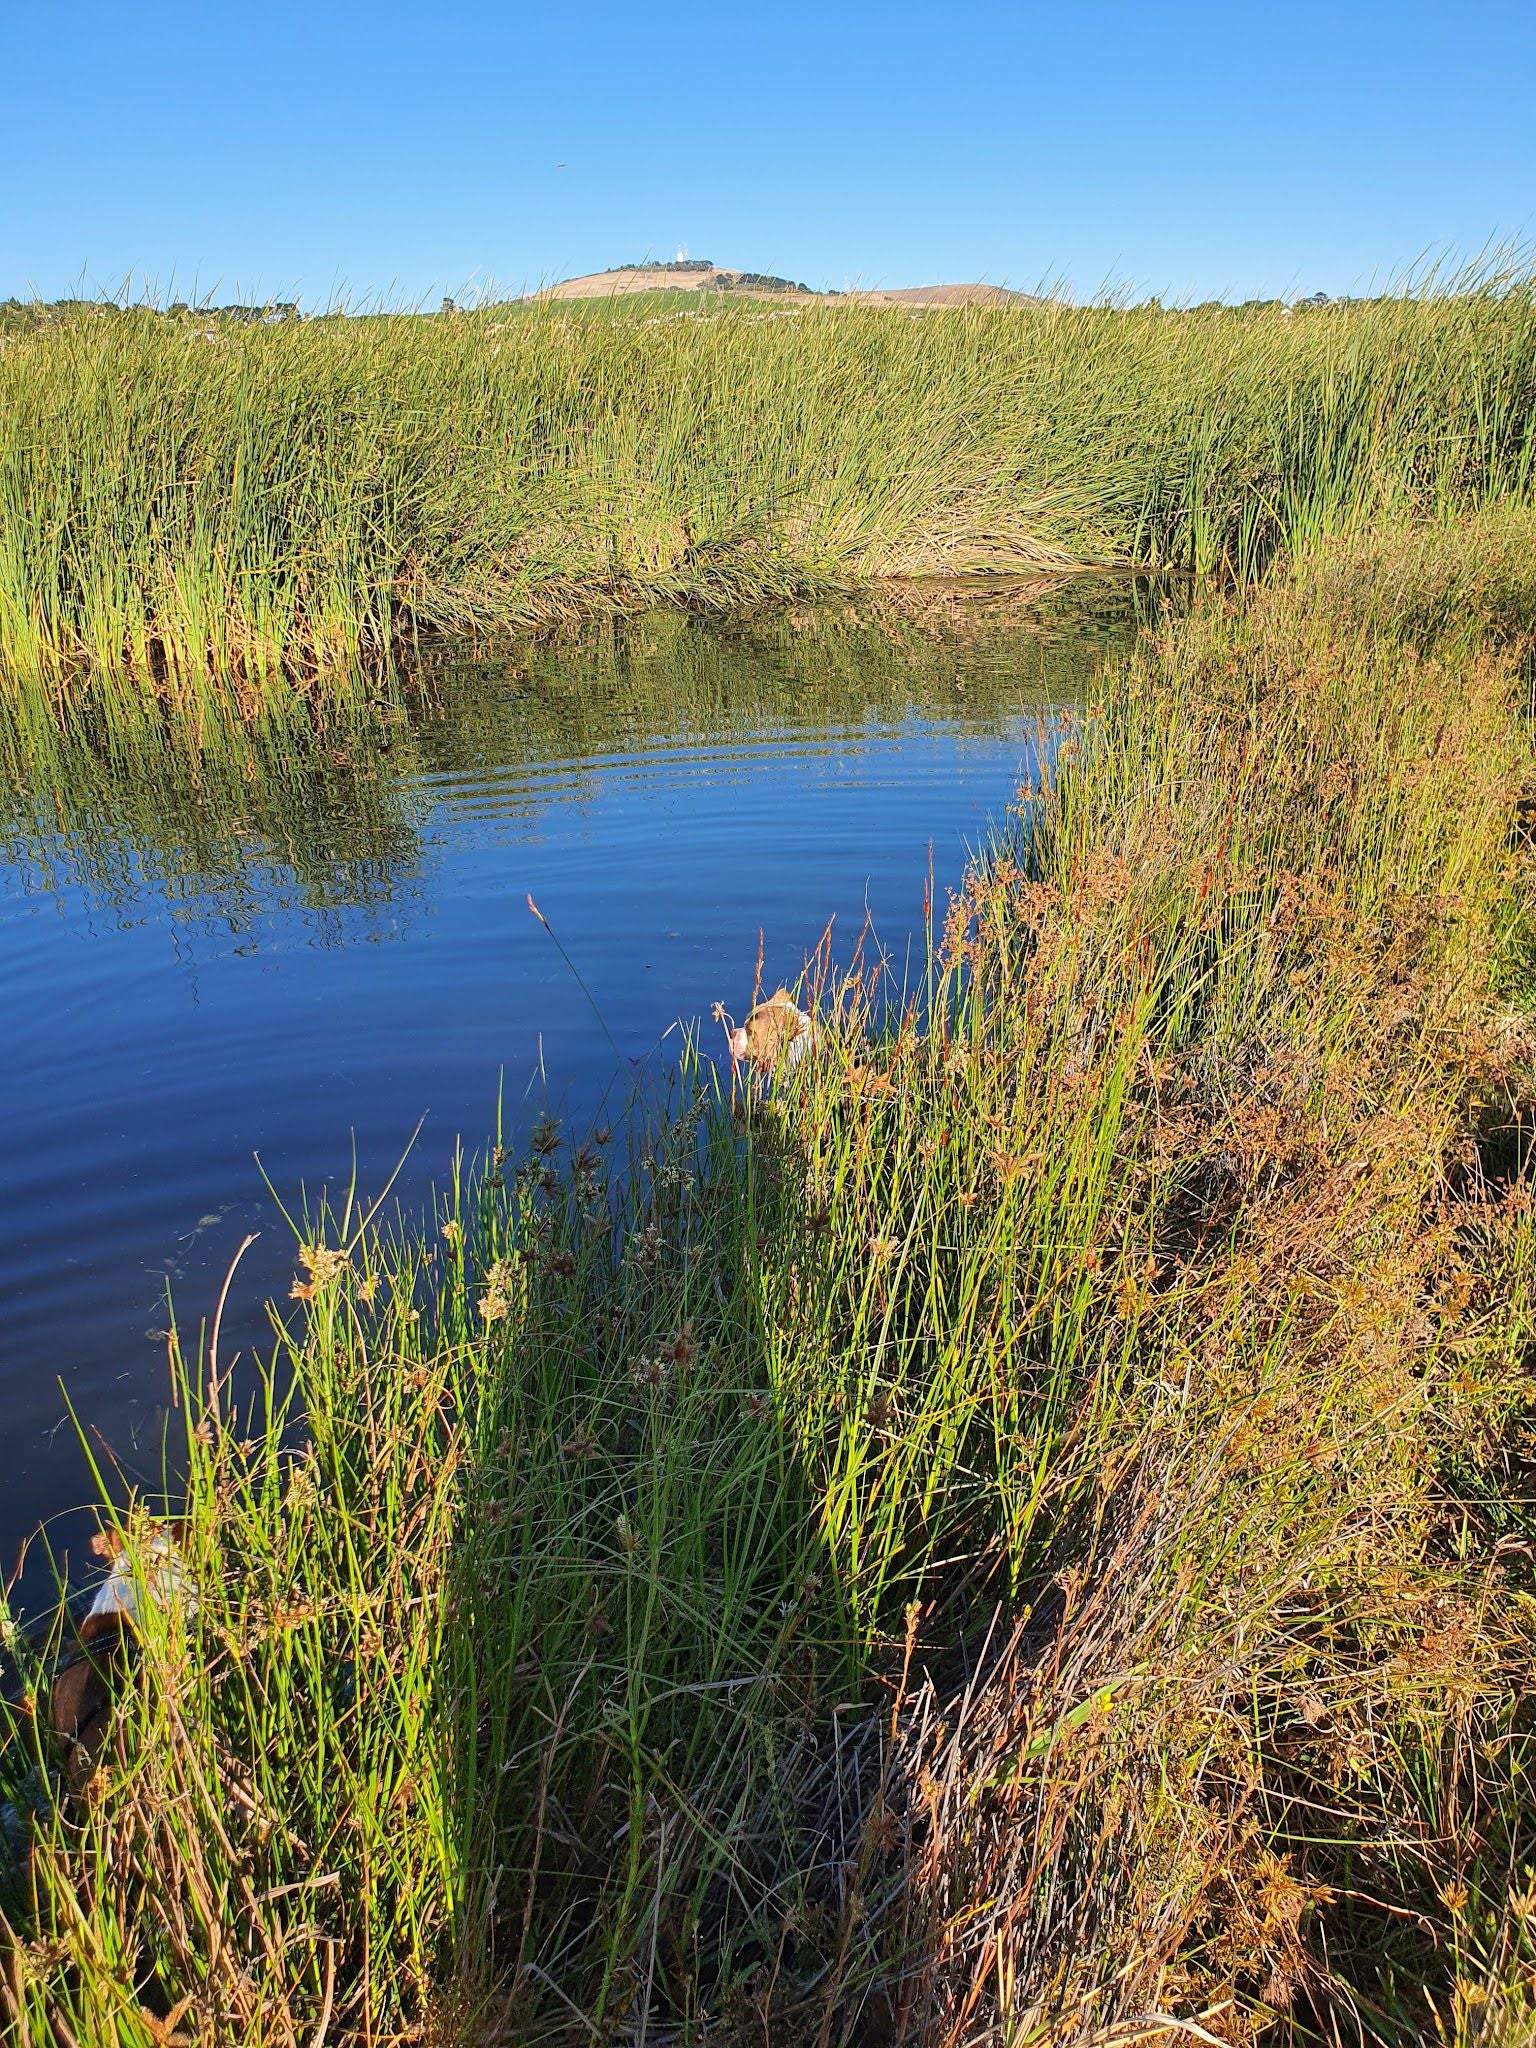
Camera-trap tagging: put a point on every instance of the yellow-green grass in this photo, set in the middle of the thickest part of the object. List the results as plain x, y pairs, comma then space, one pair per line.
1026, 1532
185, 500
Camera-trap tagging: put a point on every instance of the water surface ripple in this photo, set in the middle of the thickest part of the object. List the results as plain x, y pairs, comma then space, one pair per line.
202, 961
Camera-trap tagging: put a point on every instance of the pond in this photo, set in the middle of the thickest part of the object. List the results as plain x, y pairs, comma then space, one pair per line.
230, 963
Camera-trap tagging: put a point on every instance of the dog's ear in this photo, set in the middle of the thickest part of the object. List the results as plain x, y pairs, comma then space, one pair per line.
80, 1698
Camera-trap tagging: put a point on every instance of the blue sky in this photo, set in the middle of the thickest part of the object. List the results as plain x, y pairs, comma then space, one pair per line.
383, 150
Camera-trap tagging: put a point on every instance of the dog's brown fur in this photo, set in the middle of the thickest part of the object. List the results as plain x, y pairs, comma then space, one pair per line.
84, 1688
769, 1030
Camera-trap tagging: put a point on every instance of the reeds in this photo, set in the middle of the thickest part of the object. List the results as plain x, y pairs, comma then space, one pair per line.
1023, 1536
186, 504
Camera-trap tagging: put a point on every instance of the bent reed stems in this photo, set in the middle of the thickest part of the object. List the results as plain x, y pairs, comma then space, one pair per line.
1024, 1536
201, 509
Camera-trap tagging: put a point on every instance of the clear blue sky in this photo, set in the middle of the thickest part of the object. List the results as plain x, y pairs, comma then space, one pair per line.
300, 148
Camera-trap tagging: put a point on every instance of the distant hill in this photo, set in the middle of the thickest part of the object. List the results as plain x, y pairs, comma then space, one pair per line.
696, 275
947, 295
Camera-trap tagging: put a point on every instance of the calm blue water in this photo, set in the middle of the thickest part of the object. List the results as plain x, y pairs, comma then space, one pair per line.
300, 956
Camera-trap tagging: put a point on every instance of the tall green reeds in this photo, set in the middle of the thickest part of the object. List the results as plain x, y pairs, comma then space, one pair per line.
1021, 1536
185, 503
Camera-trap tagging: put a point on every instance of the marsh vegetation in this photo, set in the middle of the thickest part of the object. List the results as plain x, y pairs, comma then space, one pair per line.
193, 508
1020, 1532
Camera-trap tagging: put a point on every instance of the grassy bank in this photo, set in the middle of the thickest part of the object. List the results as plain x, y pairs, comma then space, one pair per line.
183, 501
1024, 1539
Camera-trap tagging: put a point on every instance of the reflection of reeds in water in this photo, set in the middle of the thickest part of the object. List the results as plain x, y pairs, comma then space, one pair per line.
263, 506
215, 821
981, 659
1021, 1538
218, 812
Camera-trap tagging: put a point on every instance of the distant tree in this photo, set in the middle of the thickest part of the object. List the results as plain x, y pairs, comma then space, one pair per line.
24, 315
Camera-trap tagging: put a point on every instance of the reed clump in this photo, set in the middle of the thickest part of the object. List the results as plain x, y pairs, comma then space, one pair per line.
1022, 1536
193, 506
